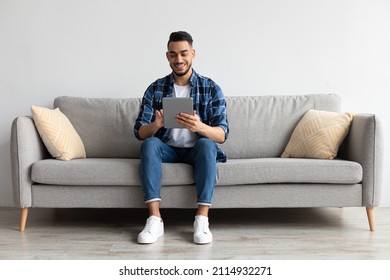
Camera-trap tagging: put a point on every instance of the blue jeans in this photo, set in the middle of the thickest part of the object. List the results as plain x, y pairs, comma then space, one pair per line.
203, 157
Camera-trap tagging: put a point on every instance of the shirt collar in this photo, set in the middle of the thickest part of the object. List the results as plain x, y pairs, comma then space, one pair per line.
192, 78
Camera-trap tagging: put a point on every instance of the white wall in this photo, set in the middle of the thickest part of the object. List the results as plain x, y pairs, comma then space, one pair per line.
117, 48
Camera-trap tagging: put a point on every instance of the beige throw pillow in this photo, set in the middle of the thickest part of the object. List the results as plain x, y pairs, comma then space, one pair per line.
318, 134
58, 134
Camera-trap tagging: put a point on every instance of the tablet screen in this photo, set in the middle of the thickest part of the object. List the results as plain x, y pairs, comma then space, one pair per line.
173, 106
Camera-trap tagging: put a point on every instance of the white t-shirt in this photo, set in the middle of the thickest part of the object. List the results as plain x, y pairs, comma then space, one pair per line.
182, 137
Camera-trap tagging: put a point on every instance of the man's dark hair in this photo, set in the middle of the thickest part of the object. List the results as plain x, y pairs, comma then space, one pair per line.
180, 36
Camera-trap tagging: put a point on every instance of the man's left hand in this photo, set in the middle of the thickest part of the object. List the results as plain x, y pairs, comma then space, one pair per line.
191, 122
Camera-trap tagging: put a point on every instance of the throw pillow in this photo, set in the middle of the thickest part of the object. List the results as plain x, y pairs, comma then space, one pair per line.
58, 134
318, 134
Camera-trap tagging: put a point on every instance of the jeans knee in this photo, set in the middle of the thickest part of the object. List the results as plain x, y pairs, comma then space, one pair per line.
206, 145
149, 144
205, 142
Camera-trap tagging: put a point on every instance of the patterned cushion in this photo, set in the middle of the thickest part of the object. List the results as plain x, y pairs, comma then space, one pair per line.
58, 134
318, 135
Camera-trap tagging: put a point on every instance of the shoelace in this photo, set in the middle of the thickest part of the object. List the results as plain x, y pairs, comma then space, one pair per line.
201, 226
149, 225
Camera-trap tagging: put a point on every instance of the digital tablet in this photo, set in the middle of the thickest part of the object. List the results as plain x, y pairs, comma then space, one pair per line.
173, 106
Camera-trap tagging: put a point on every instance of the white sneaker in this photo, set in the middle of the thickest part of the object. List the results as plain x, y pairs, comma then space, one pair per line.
202, 233
153, 229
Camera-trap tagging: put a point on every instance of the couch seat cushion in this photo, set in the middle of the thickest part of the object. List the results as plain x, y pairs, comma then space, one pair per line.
104, 171
288, 170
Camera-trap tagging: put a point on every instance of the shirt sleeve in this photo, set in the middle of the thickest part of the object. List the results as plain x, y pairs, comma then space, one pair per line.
146, 114
218, 111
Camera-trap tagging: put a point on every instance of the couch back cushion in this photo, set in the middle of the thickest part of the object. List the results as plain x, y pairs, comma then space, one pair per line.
105, 125
260, 126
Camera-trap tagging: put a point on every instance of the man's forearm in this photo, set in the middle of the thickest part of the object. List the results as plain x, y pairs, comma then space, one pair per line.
147, 130
215, 133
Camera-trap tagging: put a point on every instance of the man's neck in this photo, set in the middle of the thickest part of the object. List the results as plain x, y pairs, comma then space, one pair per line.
182, 80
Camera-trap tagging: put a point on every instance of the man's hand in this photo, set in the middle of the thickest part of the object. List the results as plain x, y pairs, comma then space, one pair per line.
148, 130
191, 122
158, 121
194, 124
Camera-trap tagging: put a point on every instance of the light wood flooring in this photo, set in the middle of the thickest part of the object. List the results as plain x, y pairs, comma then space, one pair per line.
239, 234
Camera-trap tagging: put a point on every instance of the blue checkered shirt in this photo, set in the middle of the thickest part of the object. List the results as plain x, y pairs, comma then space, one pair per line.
209, 103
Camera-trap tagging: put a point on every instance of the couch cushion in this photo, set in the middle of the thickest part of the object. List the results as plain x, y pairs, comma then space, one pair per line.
261, 126
104, 171
105, 125
57, 133
290, 170
318, 135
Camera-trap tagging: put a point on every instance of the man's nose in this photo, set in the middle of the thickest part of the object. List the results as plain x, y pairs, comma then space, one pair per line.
179, 58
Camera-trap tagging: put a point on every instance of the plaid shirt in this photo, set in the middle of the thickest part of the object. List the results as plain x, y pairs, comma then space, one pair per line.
209, 103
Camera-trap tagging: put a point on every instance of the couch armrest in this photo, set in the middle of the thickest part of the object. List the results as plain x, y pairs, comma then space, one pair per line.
364, 144
26, 148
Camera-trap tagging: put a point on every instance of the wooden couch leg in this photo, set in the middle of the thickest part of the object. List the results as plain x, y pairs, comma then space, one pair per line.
370, 216
23, 219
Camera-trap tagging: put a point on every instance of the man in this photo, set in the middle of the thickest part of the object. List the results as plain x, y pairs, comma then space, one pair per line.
195, 144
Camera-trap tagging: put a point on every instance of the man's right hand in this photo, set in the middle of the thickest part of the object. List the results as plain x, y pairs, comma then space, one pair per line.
148, 130
158, 121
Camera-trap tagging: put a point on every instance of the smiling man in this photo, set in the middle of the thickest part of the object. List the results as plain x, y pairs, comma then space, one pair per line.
195, 144
180, 55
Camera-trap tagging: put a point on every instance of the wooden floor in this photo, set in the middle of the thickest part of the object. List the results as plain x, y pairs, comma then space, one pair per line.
273, 234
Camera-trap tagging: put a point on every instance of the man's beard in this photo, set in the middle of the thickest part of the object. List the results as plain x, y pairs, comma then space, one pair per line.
183, 73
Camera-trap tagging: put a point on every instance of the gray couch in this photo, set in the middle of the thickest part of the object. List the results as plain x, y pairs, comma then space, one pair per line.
255, 176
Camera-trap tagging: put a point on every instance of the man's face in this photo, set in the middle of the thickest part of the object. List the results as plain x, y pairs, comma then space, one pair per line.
180, 55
